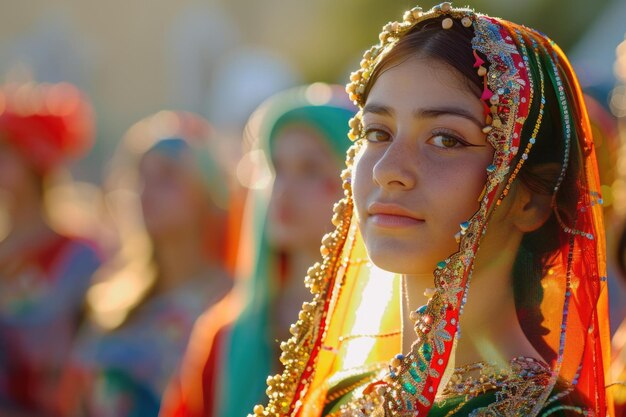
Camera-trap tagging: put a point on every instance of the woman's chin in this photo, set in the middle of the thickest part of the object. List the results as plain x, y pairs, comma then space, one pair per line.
400, 263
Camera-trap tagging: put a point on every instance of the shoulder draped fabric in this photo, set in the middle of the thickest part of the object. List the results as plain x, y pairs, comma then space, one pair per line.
347, 335
47, 311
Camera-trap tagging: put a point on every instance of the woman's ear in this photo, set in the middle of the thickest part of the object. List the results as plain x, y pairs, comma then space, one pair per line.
531, 209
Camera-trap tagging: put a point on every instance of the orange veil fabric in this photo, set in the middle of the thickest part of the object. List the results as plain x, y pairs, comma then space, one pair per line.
352, 324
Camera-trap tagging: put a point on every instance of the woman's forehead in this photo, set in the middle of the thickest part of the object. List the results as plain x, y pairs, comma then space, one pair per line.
419, 84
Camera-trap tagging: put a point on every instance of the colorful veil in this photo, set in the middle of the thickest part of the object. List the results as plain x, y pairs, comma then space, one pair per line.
352, 324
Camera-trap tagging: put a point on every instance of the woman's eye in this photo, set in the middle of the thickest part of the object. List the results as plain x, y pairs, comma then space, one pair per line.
375, 135
446, 141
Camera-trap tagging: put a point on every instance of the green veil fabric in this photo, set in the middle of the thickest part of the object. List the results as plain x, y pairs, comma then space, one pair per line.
249, 353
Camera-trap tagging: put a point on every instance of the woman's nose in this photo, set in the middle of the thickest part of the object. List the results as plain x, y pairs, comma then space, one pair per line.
286, 185
396, 167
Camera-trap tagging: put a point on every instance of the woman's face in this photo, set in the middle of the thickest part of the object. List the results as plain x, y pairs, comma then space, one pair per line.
306, 186
171, 198
422, 166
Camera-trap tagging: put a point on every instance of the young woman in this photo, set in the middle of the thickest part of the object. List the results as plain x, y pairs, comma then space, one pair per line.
296, 142
167, 191
472, 134
44, 274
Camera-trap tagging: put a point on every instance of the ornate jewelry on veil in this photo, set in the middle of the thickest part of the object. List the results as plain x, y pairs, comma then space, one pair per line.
505, 54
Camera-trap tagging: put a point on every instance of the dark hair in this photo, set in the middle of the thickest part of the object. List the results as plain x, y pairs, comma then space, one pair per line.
540, 171
427, 40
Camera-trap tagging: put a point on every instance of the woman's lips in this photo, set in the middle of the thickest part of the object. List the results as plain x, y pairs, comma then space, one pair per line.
393, 220
392, 215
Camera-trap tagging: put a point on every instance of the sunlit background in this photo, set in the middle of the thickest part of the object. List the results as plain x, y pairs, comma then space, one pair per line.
220, 58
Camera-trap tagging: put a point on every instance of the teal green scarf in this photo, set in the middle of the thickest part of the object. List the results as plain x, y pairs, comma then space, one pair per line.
248, 349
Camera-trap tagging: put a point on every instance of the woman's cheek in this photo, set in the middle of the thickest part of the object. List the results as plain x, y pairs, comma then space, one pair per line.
362, 177
319, 186
317, 198
331, 188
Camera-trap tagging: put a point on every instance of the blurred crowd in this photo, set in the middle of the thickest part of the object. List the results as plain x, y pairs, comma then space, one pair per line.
97, 323
162, 289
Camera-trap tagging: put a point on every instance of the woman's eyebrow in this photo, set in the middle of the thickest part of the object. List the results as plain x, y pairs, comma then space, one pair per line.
425, 113
379, 109
430, 113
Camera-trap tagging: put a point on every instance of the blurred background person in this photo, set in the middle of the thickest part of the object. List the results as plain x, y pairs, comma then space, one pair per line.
168, 194
295, 145
43, 274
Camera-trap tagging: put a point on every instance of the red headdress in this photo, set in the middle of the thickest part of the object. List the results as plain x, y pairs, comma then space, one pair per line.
47, 123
